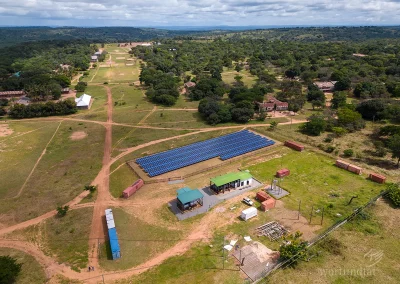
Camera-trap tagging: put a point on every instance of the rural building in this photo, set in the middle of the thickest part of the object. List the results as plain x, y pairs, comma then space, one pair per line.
231, 181
65, 91
326, 86
133, 188
93, 58
248, 213
189, 84
12, 94
273, 104
24, 101
359, 55
188, 199
97, 53
112, 235
83, 101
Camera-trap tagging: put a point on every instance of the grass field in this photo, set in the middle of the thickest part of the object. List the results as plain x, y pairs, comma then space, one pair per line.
228, 76
317, 182
60, 176
121, 179
66, 238
118, 73
31, 271
20, 152
176, 119
138, 241
98, 111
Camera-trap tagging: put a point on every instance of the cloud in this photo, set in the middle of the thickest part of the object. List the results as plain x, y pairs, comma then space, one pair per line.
198, 12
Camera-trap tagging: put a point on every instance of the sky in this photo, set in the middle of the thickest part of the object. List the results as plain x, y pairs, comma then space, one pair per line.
150, 13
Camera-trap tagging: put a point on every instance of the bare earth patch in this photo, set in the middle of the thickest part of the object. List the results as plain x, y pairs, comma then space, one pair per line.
78, 135
5, 130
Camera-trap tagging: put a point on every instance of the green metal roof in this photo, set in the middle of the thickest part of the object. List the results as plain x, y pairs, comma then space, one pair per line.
190, 196
182, 190
221, 180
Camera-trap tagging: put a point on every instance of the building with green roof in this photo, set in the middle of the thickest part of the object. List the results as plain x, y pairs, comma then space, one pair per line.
188, 198
231, 181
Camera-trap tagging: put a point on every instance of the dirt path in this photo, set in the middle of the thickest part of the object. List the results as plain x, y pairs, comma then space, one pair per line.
147, 115
103, 193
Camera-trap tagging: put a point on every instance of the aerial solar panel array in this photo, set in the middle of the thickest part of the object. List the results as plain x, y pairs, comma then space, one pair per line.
225, 147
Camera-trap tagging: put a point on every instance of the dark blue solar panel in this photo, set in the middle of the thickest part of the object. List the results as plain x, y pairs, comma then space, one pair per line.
225, 147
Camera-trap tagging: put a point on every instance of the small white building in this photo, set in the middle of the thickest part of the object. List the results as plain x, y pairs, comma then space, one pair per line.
248, 213
93, 58
83, 101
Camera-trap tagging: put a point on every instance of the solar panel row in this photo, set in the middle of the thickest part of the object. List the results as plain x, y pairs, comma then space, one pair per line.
225, 147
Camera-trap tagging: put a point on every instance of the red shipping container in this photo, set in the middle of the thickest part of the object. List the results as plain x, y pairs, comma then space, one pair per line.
342, 164
377, 178
268, 204
294, 145
262, 196
133, 188
282, 173
354, 169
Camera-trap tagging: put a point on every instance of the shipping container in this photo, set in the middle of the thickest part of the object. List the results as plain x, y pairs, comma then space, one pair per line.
282, 173
133, 188
114, 244
248, 213
268, 204
377, 178
342, 164
262, 196
294, 145
354, 169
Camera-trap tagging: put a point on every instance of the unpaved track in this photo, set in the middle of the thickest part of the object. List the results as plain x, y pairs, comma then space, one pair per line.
103, 193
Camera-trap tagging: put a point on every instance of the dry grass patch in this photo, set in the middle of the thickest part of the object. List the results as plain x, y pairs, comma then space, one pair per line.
78, 135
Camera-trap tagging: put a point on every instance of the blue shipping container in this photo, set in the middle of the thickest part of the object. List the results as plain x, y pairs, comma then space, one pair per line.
115, 250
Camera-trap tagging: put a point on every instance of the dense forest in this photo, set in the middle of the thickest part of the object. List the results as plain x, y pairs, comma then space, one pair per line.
42, 68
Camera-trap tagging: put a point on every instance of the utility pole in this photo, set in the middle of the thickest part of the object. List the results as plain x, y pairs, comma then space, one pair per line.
312, 209
223, 255
322, 220
298, 214
103, 278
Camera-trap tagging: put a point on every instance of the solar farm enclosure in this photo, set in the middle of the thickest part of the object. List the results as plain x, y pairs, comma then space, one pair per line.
225, 147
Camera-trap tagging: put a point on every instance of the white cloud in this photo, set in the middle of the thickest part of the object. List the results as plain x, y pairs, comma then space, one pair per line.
198, 12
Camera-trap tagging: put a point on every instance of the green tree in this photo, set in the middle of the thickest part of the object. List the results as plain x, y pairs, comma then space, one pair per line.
343, 84
273, 125
294, 248
62, 210
338, 100
91, 188
394, 146
394, 193
349, 119
9, 269
315, 125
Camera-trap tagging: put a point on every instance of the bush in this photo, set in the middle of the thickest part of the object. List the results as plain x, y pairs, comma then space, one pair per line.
9, 269
394, 193
330, 149
105, 83
43, 109
62, 211
348, 152
328, 140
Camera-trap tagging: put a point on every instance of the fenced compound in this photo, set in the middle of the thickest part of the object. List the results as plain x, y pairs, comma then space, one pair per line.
272, 230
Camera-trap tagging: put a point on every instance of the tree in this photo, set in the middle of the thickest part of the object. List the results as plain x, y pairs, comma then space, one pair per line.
339, 131
262, 115
62, 211
273, 125
315, 125
91, 188
338, 100
343, 84
394, 146
294, 248
81, 86
349, 119
9, 269
394, 193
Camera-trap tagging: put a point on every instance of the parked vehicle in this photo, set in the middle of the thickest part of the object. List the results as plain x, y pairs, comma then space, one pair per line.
248, 201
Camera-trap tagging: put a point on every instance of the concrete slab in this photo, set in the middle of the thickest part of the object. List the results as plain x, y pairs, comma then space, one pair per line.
276, 193
176, 181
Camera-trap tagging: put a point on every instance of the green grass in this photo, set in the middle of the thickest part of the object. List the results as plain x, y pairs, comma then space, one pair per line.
314, 180
228, 76
138, 241
20, 153
117, 73
184, 102
121, 179
31, 271
61, 174
98, 110
132, 97
176, 119
126, 137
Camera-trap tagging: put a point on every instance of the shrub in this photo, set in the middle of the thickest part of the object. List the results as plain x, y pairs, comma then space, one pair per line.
62, 211
348, 152
9, 269
330, 149
328, 140
394, 193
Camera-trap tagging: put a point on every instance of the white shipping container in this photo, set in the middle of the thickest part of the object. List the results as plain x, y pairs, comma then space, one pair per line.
248, 213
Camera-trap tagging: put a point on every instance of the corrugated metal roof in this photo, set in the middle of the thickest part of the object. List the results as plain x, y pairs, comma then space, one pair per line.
189, 196
83, 100
183, 190
110, 224
114, 244
221, 180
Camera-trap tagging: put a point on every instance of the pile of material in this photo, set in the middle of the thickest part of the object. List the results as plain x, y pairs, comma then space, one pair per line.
273, 230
